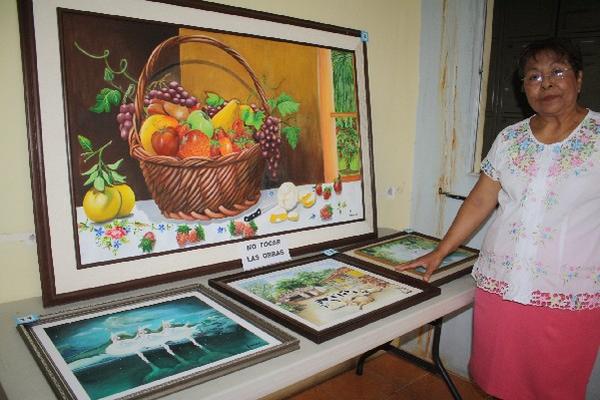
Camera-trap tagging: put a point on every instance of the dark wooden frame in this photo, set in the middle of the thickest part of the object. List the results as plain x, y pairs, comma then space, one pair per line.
50, 294
428, 291
458, 268
63, 391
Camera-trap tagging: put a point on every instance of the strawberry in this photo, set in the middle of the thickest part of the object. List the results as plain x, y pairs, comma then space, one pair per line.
182, 235
248, 231
238, 127
337, 185
215, 151
225, 146
192, 237
220, 133
327, 192
239, 227
181, 239
181, 130
150, 236
319, 189
147, 242
326, 212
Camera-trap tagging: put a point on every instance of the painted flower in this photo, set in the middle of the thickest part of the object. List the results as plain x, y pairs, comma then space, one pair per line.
116, 233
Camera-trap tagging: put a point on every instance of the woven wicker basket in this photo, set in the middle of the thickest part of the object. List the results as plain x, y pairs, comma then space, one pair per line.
199, 188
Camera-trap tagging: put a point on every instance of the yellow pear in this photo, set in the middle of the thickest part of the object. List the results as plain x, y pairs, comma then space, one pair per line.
225, 118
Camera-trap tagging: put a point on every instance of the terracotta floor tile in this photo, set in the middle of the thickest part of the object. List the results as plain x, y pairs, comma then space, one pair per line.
432, 387
349, 386
314, 393
395, 369
388, 377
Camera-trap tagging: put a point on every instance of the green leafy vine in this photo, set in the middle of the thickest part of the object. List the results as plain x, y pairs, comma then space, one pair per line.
115, 94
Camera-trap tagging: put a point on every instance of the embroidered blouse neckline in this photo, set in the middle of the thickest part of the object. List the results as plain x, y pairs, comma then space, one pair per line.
569, 136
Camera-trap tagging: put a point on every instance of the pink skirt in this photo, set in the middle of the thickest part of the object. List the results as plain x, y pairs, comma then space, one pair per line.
530, 352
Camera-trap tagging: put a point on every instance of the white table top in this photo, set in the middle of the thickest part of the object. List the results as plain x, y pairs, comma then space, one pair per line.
21, 378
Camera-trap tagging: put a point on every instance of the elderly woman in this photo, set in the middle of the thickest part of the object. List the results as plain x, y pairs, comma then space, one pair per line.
536, 318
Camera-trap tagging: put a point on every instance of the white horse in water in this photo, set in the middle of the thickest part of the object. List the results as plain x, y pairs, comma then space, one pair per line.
146, 340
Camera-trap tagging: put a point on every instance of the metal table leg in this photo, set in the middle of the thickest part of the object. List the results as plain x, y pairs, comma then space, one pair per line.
436, 367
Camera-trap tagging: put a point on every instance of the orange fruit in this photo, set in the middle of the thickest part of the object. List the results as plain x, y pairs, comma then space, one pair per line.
194, 144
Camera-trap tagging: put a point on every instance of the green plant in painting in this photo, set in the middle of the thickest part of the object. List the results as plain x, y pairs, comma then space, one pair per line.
348, 145
344, 89
344, 97
304, 279
115, 94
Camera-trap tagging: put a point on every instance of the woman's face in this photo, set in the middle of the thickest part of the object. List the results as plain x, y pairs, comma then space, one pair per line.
553, 95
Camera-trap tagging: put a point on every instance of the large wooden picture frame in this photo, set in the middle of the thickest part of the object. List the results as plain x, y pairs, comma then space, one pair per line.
153, 344
323, 297
163, 134
392, 250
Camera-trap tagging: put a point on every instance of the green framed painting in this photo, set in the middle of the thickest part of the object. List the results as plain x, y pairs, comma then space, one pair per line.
391, 251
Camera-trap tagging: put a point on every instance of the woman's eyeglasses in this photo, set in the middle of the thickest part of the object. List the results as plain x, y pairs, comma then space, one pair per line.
535, 78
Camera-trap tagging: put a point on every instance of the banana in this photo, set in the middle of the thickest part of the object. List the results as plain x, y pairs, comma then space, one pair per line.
293, 216
279, 214
308, 199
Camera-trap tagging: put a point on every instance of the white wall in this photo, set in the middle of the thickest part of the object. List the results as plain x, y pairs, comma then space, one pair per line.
450, 55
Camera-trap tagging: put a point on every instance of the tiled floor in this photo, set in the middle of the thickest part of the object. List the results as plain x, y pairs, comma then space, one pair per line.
389, 378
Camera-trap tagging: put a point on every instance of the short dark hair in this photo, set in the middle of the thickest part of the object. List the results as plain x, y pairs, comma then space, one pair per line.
562, 47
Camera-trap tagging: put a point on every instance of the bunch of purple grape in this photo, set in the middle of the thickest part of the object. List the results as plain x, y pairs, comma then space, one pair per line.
270, 142
211, 110
125, 119
174, 93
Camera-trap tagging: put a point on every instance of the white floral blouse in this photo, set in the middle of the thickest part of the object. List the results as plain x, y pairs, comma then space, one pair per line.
543, 247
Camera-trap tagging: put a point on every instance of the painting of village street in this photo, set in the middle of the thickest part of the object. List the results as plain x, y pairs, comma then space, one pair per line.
324, 293
119, 352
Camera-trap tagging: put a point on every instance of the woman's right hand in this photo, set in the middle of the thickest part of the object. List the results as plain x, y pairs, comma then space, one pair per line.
430, 261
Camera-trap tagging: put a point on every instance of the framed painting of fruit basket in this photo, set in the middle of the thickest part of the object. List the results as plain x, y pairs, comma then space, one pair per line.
164, 134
